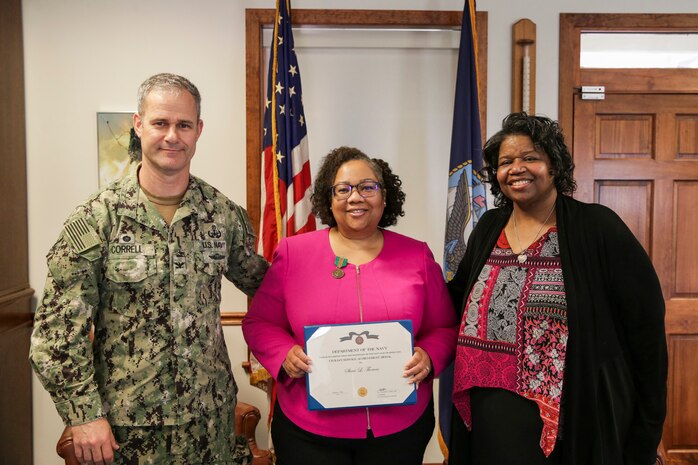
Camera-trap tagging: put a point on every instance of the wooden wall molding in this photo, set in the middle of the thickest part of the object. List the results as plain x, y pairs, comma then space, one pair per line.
232, 318
14, 309
11, 297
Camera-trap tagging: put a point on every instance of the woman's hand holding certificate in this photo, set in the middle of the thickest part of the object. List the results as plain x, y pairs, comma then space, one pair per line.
419, 367
297, 363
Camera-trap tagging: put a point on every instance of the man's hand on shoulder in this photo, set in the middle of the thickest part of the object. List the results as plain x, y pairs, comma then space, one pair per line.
94, 442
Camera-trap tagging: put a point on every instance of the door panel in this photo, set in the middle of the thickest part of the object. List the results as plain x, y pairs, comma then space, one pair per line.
686, 271
638, 154
632, 201
688, 136
624, 136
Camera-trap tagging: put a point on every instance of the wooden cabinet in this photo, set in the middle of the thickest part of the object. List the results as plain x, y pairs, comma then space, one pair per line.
15, 293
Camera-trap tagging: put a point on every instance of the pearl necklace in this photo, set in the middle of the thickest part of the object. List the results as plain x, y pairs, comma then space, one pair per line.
522, 257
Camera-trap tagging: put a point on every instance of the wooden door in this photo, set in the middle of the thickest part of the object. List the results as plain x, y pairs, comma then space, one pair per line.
637, 153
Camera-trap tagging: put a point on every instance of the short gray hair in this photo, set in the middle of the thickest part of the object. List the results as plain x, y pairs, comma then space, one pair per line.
168, 81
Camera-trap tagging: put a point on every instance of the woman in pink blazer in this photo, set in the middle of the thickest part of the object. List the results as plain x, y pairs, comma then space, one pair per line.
353, 272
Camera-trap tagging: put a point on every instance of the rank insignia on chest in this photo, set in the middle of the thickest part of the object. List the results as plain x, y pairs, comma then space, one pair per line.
179, 264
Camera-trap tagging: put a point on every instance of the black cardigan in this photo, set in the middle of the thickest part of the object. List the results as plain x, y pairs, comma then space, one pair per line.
614, 392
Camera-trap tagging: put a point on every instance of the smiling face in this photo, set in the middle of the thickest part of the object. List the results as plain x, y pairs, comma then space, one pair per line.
523, 173
169, 129
356, 216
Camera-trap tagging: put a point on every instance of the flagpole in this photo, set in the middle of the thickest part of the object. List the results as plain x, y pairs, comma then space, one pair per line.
466, 200
274, 133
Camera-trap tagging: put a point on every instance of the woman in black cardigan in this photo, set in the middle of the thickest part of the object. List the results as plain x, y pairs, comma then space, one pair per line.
561, 355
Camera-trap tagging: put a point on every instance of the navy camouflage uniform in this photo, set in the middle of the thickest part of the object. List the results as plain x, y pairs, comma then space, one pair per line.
152, 293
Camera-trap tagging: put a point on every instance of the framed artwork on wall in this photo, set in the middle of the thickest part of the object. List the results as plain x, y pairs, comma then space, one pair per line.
118, 147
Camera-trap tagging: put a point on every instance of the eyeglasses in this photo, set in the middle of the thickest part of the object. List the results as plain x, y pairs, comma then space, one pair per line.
365, 189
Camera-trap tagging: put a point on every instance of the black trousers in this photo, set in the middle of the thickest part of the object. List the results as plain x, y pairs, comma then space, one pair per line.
295, 446
506, 431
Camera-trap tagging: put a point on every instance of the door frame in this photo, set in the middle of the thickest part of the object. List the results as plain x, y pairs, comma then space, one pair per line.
647, 81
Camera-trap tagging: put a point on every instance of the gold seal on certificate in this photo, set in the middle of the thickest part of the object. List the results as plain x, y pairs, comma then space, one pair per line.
359, 365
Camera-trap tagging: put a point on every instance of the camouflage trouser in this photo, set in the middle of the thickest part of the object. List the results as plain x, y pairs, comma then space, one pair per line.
210, 439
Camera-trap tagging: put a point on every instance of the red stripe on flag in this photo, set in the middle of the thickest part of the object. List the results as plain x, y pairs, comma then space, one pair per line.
309, 225
301, 183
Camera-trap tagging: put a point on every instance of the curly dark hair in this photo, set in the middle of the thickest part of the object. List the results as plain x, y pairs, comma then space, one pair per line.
546, 136
390, 186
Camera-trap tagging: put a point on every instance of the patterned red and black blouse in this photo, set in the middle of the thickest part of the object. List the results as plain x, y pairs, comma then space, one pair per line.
514, 332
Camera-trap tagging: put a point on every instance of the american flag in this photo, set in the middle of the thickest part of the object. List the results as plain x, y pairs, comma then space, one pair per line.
286, 208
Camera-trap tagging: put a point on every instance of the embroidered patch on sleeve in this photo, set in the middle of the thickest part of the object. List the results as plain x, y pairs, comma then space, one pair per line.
81, 235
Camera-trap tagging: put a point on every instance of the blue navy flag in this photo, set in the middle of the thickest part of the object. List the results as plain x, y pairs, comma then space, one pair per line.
466, 192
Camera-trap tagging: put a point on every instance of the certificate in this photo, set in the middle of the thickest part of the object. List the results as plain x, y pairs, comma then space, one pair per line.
359, 365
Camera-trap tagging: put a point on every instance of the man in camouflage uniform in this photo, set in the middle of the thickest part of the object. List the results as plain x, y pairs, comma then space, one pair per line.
141, 262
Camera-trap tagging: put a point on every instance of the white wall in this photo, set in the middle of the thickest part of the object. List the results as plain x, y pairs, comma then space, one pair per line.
85, 56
